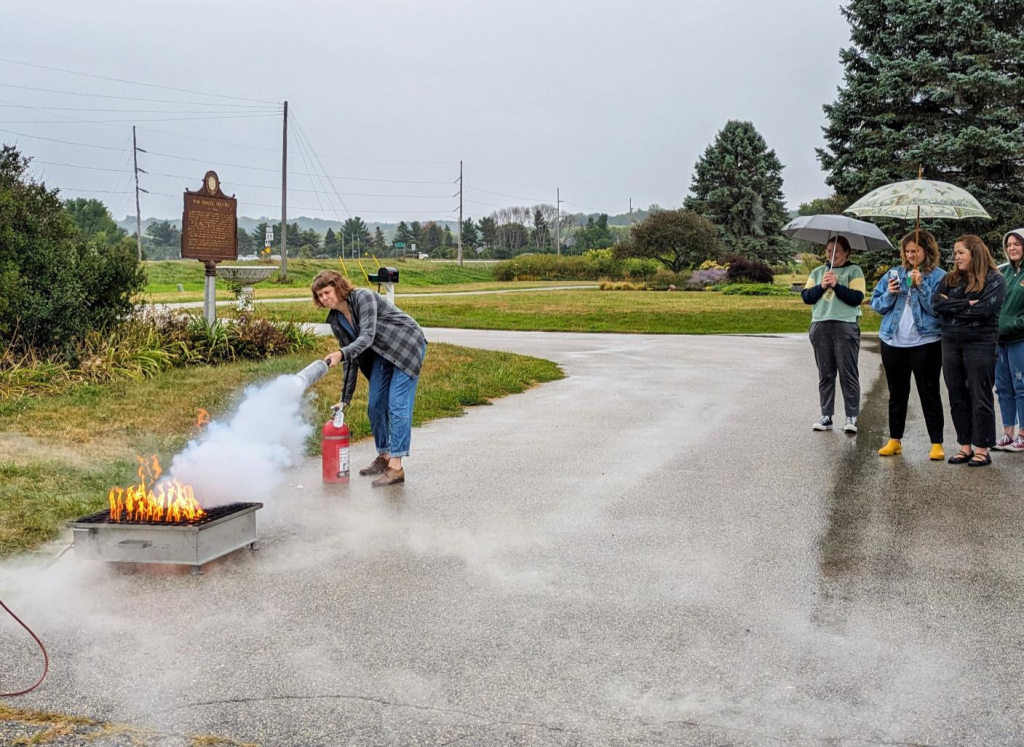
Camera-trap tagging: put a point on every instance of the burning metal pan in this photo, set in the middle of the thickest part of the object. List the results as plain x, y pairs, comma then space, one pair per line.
221, 530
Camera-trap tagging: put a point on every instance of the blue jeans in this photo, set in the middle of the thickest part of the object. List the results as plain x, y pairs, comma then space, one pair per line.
392, 394
1010, 382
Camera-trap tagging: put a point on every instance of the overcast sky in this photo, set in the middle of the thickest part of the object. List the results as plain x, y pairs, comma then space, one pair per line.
606, 100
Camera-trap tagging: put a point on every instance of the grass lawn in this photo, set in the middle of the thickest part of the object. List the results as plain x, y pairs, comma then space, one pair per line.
273, 290
604, 311
60, 455
163, 277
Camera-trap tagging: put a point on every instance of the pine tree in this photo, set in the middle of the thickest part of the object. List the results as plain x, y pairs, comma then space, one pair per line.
936, 85
331, 246
403, 234
737, 185
379, 245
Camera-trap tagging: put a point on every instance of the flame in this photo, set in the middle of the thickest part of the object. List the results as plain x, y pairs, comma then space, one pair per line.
203, 419
171, 501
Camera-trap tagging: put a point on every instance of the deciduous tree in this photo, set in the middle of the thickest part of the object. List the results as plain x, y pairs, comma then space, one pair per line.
677, 238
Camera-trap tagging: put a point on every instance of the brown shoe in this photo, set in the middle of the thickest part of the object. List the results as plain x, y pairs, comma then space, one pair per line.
376, 467
390, 477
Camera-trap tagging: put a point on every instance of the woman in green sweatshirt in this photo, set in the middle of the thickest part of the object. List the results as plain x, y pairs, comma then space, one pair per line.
1010, 364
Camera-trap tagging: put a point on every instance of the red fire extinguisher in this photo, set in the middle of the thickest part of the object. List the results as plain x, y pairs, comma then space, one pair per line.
334, 447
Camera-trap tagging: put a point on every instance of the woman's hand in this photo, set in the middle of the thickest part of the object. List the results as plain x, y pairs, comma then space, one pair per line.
916, 278
333, 359
828, 280
894, 286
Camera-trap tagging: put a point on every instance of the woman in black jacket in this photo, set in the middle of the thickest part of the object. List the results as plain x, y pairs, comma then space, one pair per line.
967, 302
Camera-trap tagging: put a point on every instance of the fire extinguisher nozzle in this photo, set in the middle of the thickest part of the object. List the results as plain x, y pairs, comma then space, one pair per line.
313, 373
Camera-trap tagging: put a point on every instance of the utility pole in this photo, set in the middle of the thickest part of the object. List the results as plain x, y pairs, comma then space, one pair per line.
284, 196
138, 210
558, 221
460, 212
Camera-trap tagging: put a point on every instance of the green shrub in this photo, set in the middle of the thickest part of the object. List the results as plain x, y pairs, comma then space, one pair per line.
754, 289
145, 346
664, 277
55, 286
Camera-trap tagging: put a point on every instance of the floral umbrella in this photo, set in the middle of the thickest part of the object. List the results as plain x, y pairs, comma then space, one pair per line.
918, 198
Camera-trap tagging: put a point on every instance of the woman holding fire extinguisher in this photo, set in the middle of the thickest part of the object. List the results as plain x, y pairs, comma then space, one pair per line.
389, 346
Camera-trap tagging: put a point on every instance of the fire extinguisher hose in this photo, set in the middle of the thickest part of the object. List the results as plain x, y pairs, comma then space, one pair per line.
46, 656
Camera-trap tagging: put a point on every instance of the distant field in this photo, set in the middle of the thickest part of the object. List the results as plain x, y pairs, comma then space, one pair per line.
164, 277
604, 311
265, 291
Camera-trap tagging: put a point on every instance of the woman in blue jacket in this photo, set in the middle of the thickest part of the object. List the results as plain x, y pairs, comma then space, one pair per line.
912, 339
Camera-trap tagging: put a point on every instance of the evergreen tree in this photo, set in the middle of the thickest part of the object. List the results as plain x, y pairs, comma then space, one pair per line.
417, 234
245, 245
488, 231
331, 246
379, 244
936, 85
470, 238
404, 235
737, 185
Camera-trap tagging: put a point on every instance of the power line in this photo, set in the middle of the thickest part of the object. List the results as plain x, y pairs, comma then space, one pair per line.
96, 191
500, 194
74, 166
251, 110
509, 181
133, 82
135, 119
55, 140
353, 212
130, 98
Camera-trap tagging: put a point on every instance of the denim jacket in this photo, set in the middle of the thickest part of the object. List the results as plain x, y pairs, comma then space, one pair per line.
892, 305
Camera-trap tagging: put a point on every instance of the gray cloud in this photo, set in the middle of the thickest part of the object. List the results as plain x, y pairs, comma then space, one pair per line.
605, 100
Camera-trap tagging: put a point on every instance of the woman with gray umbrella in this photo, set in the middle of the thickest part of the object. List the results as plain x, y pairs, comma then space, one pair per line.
836, 291
911, 339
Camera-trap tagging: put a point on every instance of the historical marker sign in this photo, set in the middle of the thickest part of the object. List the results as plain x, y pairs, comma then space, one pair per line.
209, 225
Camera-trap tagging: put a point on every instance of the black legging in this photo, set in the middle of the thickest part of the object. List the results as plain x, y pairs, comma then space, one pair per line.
925, 363
969, 367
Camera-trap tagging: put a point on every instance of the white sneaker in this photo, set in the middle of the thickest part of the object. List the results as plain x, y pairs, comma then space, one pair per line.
851, 425
1016, 445
1003, 442
825, 424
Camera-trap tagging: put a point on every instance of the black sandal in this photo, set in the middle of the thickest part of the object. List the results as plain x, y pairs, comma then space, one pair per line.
980, 460
961, 458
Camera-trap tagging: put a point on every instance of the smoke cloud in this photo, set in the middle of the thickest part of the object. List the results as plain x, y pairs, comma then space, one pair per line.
245, 459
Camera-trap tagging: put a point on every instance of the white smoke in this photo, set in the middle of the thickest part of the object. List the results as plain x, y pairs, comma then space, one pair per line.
245, 459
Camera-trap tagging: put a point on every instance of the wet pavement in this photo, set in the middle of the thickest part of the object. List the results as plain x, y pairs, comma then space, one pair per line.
655, 550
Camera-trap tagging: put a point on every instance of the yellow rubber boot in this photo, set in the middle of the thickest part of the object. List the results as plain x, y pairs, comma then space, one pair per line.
937, 454
892, 448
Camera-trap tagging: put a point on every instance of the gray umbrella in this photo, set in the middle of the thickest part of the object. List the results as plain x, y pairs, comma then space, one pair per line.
819, 229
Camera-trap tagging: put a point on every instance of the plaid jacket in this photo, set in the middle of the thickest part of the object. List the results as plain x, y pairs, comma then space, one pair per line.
382, 329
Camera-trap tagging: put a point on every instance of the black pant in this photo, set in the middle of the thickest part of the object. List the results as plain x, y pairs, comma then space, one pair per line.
925, 363
969, 367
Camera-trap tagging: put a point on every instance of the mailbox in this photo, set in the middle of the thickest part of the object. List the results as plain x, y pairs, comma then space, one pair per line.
385, 275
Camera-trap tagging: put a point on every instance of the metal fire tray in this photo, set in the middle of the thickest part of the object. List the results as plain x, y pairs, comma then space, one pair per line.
222, 530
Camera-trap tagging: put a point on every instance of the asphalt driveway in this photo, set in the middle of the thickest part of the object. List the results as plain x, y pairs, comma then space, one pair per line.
656, 549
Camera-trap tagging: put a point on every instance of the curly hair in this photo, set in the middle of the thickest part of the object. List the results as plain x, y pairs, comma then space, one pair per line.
334, 279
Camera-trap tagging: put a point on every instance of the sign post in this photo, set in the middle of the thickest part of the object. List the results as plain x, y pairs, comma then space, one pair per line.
209, 233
